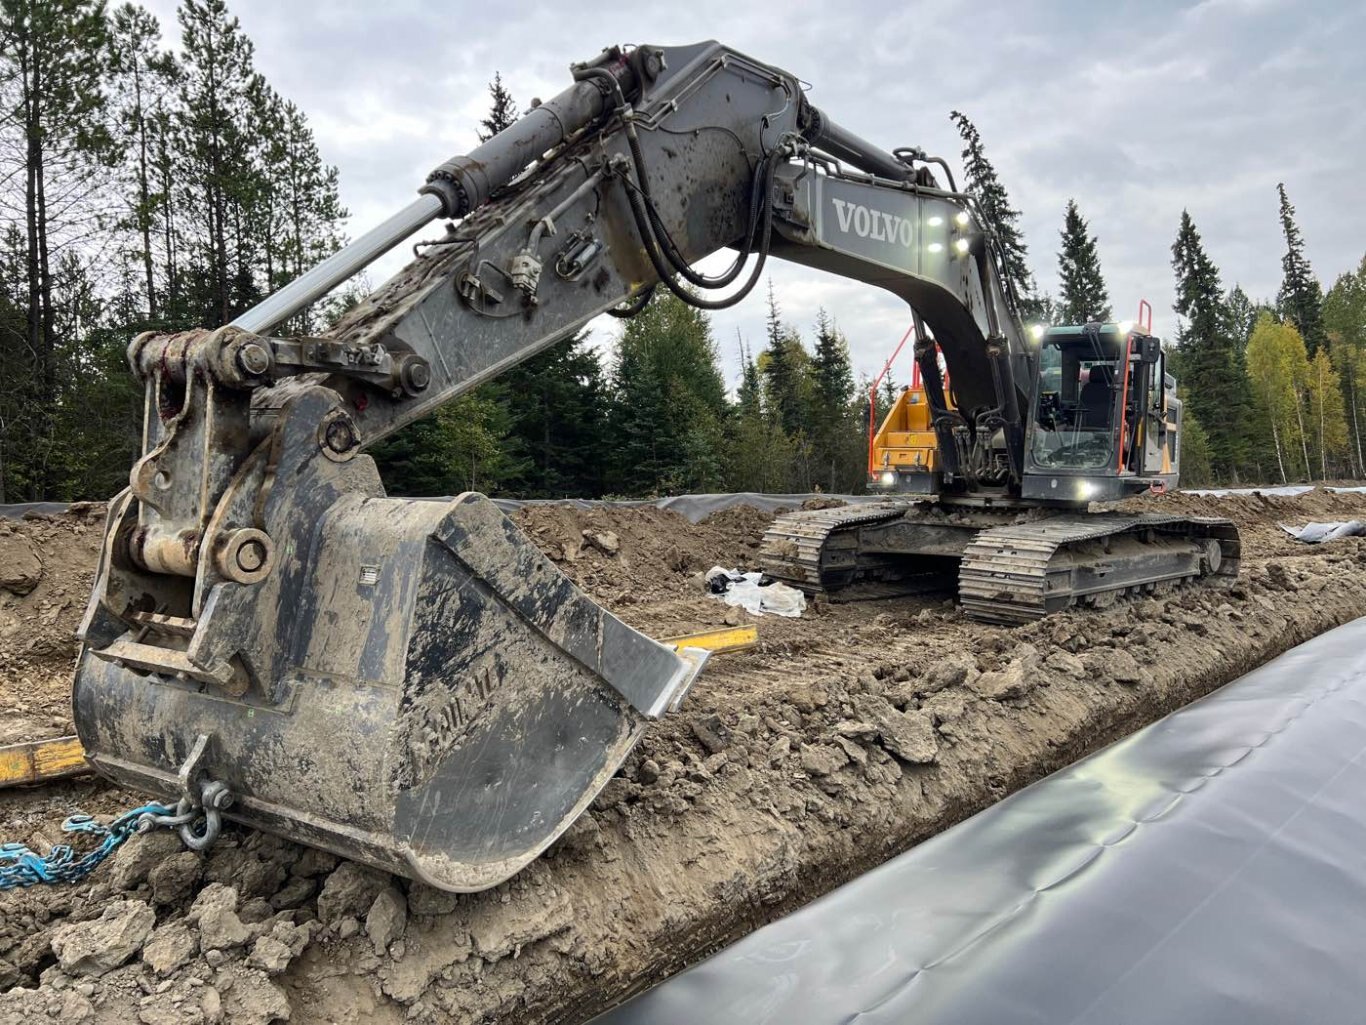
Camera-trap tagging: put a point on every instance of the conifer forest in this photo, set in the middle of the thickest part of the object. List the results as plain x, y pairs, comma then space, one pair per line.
150, 187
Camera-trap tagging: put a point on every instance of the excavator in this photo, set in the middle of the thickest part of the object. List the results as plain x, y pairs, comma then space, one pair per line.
273, 640
1103, 423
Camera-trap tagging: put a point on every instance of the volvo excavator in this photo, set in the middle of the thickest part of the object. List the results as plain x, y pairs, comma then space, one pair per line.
273, 640
1102, 423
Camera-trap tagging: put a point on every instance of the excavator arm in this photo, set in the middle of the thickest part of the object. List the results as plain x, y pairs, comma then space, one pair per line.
411, 683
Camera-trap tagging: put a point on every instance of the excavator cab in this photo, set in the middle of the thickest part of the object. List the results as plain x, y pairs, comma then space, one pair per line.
1100, 425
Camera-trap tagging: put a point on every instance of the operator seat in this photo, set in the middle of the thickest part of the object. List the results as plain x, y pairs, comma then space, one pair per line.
1097, 398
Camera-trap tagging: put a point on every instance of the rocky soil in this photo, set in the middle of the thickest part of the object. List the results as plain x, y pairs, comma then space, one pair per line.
843, 738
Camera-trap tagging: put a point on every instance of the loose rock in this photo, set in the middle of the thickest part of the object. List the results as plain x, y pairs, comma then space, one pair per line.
93, 948
387, 919
170, 947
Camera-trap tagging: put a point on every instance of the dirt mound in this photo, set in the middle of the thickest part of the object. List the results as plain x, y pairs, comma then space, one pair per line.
844, 737
646, 564
47, 565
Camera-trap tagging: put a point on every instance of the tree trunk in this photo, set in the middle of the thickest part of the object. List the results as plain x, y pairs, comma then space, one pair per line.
1323, 426
1280, 459
1356, 424
1304, 440
144, 194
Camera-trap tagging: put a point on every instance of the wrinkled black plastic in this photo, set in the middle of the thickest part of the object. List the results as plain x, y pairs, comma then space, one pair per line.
1210, 868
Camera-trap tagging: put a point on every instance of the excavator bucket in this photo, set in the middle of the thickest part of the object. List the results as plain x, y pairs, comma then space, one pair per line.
426, 693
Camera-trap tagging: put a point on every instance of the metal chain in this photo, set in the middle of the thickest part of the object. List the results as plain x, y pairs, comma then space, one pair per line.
198, 825
20, 866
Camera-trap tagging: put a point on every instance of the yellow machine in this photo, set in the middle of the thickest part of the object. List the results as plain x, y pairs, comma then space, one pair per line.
905, 441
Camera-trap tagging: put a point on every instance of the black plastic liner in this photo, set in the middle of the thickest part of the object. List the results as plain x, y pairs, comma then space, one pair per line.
1210, 868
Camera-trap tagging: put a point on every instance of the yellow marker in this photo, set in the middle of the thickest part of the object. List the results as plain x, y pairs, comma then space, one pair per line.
736, 638
41, 760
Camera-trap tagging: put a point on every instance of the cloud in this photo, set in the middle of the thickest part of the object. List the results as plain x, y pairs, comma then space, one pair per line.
1137, 111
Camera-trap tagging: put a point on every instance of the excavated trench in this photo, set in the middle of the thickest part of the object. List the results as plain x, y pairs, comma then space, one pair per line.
843, 738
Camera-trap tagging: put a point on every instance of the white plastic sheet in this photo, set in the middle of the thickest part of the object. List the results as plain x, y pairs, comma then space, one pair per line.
1317, 533
743, 590
1289, 491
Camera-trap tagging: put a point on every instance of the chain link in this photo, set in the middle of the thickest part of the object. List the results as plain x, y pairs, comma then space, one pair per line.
20, 866
198, 823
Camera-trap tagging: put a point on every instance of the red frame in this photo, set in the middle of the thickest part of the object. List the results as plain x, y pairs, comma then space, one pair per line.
872, 391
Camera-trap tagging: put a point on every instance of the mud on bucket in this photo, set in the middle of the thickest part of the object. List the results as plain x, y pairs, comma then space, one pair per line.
446, 701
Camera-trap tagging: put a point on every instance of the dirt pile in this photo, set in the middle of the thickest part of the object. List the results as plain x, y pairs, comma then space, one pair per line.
841, 739
47, 564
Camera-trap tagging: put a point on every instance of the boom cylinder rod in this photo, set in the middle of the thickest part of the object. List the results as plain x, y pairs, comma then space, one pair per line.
846, 146
312, 285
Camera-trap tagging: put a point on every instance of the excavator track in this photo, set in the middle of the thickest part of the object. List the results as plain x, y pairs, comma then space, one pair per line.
1011, 568
1020, 573
818, 550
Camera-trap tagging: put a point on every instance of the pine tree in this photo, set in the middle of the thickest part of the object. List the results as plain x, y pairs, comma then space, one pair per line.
216, 181
503, 112
1002, 220
53, 56
143, 75
1300, 299
1210, 360
1083, 297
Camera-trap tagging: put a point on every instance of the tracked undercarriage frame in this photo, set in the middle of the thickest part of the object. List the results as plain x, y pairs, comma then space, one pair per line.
1010, 566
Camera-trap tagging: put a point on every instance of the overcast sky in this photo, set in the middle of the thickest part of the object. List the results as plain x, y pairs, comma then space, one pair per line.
1135, 109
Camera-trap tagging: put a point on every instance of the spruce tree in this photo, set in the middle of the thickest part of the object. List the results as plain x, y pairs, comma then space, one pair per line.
1209, 358
1300, 299
668, 403
1083, 296
1002, 219
1242, 315
502, 113
758, 455
782, 365
833, 428
557, 401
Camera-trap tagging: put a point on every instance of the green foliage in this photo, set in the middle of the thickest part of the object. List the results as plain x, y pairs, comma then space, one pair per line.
1084, 297
1300, 299
1344, 322
1210, 361
557, 438
1196, 467
1242, 315
56, 142
668, 403
458, 448
160, 195
1327, 417
1276, 367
